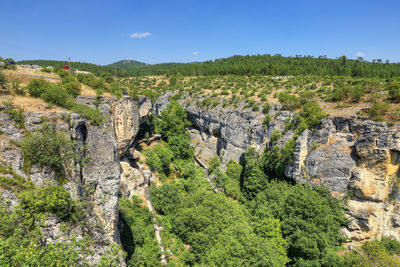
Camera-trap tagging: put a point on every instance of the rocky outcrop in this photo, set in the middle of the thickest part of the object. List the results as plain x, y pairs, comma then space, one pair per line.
359, 158
134, 179
95, 179
353, 157
227, 132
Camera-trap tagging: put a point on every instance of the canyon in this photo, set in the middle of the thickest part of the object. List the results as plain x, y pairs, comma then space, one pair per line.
355, 158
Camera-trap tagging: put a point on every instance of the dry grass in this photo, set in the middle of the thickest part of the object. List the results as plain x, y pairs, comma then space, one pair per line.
31, 104
87, 91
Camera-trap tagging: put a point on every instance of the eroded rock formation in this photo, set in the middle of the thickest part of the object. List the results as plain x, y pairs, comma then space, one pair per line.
353, 157
96, 178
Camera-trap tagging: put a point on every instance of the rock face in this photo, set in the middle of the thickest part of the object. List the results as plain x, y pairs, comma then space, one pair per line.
352, 157
134, 179
96, 178
226, 132
358, 157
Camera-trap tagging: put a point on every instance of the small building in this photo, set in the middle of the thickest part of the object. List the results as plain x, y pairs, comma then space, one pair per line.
1, 64
49, 67
81, 71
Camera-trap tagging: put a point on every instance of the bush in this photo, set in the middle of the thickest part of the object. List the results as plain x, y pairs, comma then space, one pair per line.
93, 115
16, 87
159, 158
356, 94
73, 88
267, 120
37, 87
17, 115
289, 102
54, 94
394, 91
9, 64
378, 109
3, 83
266, 107
304, 214
53, 199
255, 108
47, 148
312, 114
47, 70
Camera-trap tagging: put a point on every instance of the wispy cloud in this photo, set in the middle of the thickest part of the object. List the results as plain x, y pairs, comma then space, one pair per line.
195, 53
360, 54
140, 35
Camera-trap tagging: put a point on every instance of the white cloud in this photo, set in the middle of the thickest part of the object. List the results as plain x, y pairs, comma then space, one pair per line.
140, 35
360, 54
195, 53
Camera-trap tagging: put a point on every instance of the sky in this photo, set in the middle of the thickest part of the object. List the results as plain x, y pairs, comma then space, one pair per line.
150, 31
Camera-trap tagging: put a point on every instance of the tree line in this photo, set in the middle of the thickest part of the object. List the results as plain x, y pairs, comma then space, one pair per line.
276, 65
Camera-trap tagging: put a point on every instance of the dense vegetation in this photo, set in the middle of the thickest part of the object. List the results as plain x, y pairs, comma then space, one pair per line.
274, 222
277, 65
373, 97
138, 234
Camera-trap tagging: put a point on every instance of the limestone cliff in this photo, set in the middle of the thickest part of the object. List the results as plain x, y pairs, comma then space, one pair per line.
95, 181
353, 157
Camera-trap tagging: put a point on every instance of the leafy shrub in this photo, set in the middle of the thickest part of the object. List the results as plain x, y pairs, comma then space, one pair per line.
17, 115
267, 120
37, 87
356, 94
372, 253
53, 199
394, 91
255, 107
12, 181
172, 126
47, 147
73, 88
378, 109
266, 107
289, 102
159, 159
312, 114
47, 70
391, 245
93, 115
55, 95
3, 83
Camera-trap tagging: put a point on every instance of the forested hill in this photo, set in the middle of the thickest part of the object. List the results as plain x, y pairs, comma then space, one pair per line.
126, 64
96, 69
276, 65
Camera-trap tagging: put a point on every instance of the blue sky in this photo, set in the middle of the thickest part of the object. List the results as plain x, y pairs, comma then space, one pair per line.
103, 32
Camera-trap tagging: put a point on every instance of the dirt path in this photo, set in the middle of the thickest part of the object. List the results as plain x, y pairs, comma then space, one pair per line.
30, 76
157, 228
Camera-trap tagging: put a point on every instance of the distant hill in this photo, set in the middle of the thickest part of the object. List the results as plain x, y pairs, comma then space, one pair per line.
127, 65
96, 69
